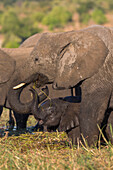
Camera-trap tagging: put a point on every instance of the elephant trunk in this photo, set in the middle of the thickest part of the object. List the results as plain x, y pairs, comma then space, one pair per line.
13, 96
35, 109
43, 95
17, 105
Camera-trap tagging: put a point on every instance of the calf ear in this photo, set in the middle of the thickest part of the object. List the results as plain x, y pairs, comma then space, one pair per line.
81, 59
68, 122
7, 67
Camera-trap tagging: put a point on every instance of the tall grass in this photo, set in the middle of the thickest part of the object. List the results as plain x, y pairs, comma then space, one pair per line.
51, 151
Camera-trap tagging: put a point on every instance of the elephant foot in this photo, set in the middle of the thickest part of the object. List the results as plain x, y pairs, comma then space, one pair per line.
74, 135
37, 127
21, 120
10, 124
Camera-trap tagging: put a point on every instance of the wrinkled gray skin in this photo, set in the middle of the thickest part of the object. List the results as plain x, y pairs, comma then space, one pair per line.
67, 59
59, 113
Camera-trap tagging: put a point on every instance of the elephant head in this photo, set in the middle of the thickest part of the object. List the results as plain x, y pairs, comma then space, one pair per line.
64, 59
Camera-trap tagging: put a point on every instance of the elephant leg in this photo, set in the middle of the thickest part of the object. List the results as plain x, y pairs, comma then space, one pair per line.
10, 123
92, 112
74, 135
21, 120
109, 128
1, 110
38, 127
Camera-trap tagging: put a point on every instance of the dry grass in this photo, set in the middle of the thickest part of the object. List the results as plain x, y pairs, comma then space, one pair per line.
50, 151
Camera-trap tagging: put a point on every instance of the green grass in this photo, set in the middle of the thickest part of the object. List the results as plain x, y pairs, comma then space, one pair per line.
50, 151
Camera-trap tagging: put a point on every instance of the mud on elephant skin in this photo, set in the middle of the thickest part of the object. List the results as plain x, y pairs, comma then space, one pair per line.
66, 59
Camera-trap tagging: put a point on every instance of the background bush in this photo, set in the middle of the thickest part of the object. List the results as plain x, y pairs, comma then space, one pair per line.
99, 17
22, 18
58, 17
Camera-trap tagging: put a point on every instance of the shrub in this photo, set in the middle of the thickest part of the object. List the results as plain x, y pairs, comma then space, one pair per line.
10, 22
58, 17
99, 17
84, 9
37, 16
12, 25
11, 41
84, 18
27, 28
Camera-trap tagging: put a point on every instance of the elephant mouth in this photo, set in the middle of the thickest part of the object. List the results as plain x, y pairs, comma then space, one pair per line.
55, 86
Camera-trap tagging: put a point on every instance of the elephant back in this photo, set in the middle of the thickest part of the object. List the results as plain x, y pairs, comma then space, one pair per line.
31, 41
105, 33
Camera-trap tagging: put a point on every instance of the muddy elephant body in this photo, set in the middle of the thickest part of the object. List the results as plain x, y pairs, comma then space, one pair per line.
69, 59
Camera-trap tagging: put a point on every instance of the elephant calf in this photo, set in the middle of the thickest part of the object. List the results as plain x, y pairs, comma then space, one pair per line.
63, 114
57, 113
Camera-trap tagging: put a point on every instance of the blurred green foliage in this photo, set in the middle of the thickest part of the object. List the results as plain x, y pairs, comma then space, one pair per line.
99, 17
16, 30
38, 16
9, 22
57, 17
20, 19
11, 41
8, 2
94, 10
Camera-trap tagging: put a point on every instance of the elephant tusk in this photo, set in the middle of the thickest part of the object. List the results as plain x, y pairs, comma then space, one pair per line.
18, 86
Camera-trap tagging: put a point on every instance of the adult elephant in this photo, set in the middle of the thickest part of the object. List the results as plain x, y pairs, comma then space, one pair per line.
10, 60
30, 43
66, 60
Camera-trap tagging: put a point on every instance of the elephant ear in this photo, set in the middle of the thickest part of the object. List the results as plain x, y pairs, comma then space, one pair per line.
80, 60
7, 67
70, 119
68, 122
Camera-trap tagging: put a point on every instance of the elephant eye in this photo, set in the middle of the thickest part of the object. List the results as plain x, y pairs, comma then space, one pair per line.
36, 59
